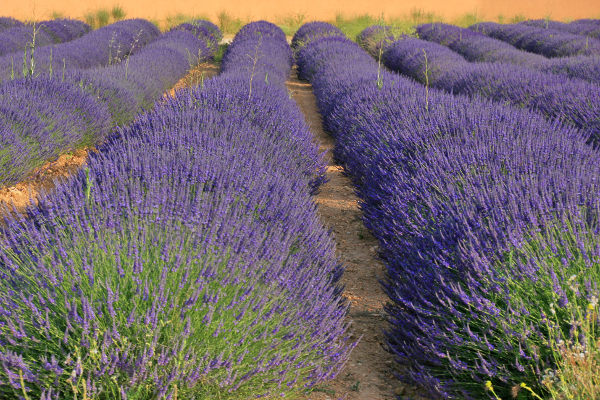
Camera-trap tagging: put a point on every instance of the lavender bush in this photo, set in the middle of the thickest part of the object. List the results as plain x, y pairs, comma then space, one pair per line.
125, 86
104, 46
483, 213
547, 42
313, 30
581, 27
476, 47
43, 118
17, 39
8, 22
571, 100
209, 274
204, 29
79, 108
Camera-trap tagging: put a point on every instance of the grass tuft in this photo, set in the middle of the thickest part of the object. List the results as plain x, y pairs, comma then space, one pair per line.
229, 24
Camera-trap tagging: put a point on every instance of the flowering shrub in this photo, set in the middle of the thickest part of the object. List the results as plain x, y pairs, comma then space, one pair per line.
42, 118
582, 27
17, 39
572, 100
471, 202
104, 46
477, 47
186, 261
547, 42
7, 23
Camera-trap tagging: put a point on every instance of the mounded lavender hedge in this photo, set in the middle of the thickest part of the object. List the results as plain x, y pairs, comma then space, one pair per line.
42, 118
313, 30
17, 39
547, 42
186, 261
574, 101
8, 23
477, 47
79, 108
580, 27
487, 220
104, 46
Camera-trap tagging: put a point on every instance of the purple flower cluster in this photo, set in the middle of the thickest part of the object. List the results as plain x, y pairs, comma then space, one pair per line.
547, 42
313, 30
47, 33
7, 23
375, 38
186, 261
269, 61
203, 28
477, 47
450, 185
589, 28
572, 100
42, 118
137, 82
103, 46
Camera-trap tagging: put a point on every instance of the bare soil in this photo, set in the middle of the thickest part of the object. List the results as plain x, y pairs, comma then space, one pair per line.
42, 179
368, 374
195, 76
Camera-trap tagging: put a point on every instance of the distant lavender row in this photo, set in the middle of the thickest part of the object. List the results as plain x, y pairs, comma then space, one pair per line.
477, 47
575, 101
135, 83
7, 23
581, 27
473, 204
187, 261
46, 33
103, 46
547, 42
41, 118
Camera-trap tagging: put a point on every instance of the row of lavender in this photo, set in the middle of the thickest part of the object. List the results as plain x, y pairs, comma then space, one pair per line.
45, 33
487, 219
545, 41
477, 47
104, 46
574, 101
45, 116
187, 260
8, 23
584, 27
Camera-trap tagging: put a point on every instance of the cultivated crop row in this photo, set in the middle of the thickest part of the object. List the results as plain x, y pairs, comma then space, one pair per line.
187, 260
7, 23
45, 116
487, 219
584, 27
574, 101
43, 34
477, 47
544, 41
103, 46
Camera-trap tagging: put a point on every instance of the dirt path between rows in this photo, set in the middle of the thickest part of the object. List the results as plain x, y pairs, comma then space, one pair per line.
368, 374
44, 178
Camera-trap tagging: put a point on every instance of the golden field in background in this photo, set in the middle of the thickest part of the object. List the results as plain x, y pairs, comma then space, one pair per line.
274, 10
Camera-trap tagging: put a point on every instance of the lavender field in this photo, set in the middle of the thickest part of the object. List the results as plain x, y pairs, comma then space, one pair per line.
194, 253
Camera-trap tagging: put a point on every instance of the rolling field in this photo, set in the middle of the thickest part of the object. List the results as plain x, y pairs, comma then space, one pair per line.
377, 208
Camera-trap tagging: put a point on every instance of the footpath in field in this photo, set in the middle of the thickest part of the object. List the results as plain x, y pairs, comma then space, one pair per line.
368, 372
44, 177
